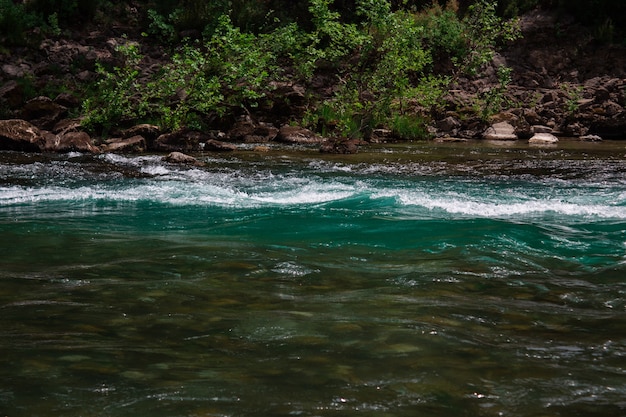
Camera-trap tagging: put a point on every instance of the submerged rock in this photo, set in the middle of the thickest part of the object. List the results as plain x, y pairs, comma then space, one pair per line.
219, 146
543, 138
341, 146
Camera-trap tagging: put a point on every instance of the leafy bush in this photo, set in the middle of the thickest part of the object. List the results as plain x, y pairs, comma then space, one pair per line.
14, 21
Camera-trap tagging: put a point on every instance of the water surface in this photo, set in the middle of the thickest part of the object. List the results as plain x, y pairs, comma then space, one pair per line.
418, 279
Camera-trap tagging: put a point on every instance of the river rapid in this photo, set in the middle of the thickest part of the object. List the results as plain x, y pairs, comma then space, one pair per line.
474, 279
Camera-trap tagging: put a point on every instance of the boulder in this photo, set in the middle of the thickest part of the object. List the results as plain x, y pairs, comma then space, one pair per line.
148, 131
590, 138
297, 135
500, 131
20, 135
181, 158
219, 146
180, 141
247, 130
72, 142
541, 129
341, 146
134, 144
543, 139
12, 93
43, 112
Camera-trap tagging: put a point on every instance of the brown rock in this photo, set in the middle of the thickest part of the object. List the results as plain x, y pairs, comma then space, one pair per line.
297, 135
181, 158
180, 141
341, 146
20, 135
219, 146
134, 144
43, 112
74, 142
148, 131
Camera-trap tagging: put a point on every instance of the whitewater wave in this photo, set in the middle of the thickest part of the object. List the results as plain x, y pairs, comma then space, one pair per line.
357, 196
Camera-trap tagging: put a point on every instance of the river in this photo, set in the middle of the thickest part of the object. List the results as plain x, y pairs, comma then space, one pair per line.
475, 279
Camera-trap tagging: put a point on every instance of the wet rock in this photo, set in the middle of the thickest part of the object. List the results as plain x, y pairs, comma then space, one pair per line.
67, 125
341, 146
20, 135
181, 158
148, 131
543, 138
590, 138
72, 142
180, 141
134, 144
297, 135
247, 130
219, 146
449, 139
500, 131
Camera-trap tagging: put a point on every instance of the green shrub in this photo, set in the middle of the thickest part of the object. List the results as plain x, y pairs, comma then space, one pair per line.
15, 20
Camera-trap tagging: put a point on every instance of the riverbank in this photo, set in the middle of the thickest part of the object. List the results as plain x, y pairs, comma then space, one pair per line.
563, 83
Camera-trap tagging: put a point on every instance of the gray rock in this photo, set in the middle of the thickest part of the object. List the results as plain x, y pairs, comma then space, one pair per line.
500, 131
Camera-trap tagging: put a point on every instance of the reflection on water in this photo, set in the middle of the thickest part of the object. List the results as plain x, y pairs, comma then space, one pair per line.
481, 281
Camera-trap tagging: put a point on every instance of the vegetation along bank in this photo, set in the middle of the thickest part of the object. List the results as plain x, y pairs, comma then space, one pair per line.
165, 76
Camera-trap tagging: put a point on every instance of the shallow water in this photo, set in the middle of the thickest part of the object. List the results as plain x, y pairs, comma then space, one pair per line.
418, 279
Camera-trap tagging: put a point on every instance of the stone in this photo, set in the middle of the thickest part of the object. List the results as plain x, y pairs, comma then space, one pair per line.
449, 125
73, 142
180, 141
340, 146
219, 146
148, 131
500, 131
541, 129
20, 135
590, 138
543, 138
297, 135
247, 130
134, 144
12, 93
43, 112
181, 158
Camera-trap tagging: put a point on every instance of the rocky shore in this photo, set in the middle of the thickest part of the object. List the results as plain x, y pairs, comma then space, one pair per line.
563, 83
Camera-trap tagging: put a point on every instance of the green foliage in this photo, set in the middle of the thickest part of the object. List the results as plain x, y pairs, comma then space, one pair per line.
384, 64
228, 72
116, 98
494, 99
14, 21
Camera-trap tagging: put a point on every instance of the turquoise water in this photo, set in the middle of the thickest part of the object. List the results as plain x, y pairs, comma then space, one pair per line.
410, 280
